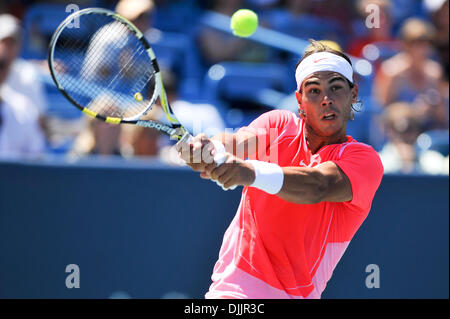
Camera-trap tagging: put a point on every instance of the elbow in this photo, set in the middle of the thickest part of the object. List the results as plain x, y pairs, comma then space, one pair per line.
322, 188
319, 195
314, 197
317, 190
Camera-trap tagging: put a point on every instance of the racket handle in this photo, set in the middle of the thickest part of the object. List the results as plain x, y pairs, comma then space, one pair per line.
219, 157
186, 138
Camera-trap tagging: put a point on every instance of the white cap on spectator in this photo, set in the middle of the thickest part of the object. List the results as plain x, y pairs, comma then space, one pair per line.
131, 9
9, 27
434, 5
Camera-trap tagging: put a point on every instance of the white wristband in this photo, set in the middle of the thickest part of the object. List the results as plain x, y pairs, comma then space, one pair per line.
269, 177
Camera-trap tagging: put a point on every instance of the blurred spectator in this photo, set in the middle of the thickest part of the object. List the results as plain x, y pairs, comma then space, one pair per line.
439, 12
401, 125
140, 141
98, 137
20, 133
196, 118
412, 77
381, 36
143, 141
139, 13
216, 46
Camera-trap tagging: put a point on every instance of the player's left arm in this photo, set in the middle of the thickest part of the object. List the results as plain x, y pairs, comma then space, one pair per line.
301, 185
310, 185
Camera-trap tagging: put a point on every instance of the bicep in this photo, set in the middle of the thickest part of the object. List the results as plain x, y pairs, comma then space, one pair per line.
338, 187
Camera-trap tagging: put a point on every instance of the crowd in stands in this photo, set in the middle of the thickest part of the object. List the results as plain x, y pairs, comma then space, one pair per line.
404, 111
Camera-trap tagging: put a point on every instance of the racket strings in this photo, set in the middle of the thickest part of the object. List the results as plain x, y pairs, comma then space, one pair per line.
107, 70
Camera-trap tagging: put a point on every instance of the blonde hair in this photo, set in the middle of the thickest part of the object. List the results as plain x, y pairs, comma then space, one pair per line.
414, 29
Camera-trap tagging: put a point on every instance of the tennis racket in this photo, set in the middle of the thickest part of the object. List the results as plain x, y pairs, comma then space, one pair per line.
106, 68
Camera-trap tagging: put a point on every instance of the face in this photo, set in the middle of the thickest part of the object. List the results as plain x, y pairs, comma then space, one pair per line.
143, 21
419, 49
326, 99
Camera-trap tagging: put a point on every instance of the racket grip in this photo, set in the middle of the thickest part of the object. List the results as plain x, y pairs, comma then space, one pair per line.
186, 138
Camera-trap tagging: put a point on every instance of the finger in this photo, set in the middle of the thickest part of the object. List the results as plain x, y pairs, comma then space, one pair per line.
218, 171
204, 175
231, 187
227, 178
230, 184
210, 167
227, 158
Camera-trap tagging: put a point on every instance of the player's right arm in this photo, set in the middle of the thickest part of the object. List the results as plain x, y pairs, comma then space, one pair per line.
198, 156
247, 142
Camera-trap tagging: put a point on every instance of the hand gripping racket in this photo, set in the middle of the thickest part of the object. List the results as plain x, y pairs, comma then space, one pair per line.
105, 67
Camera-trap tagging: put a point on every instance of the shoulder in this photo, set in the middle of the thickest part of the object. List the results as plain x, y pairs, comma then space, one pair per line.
396, 65
362, 155
355, 146
433, 70
18, 106
273, 123
279, 117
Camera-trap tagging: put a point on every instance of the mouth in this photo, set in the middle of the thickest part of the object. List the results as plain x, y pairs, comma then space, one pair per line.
329, 116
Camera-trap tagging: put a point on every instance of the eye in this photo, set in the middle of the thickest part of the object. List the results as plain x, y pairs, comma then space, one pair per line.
335, 88
314, 91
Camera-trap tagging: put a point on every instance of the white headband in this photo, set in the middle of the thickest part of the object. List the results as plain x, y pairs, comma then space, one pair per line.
323, 61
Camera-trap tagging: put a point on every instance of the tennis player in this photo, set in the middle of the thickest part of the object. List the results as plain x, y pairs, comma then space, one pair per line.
307, 188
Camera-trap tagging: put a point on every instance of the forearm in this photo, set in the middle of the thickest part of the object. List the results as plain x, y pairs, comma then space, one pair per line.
238, 144
227, 139
303, 185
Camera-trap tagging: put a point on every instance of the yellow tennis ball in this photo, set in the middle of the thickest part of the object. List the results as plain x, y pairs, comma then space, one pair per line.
138, 97
244, 23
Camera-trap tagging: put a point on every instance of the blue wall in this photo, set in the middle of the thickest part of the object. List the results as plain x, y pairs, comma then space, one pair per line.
148, 230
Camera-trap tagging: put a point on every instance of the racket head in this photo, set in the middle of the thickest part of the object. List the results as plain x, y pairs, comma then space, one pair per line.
105, 66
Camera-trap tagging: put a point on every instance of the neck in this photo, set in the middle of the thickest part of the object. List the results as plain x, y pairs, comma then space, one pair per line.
416, 63
316, 142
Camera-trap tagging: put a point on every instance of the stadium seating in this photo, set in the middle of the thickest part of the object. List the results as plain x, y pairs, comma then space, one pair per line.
237, 80
39, 23
234, 87
250, 87
306, 26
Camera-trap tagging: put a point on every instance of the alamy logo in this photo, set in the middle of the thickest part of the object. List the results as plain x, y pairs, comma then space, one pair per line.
373, 19
73, 279
71, 8
373, 279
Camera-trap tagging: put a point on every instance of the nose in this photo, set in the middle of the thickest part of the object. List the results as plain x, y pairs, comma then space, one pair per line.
327, 101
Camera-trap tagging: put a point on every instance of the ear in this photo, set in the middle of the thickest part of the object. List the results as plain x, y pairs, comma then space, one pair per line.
298, 95
355, 90
301, 111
